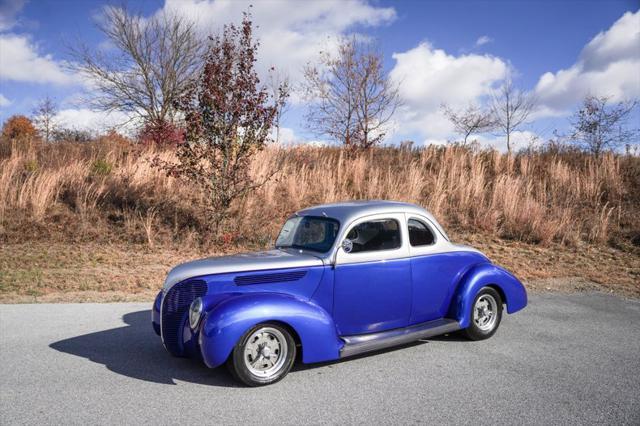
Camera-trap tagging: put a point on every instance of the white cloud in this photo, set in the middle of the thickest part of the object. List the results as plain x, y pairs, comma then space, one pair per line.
4, 101
89, 120
482, 40
609, 65
21, 62
519, 140
288, 137
429, 77
8, 11
438, 142
291, 33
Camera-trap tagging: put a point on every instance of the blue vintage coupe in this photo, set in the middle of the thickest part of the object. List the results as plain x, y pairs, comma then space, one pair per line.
343, 279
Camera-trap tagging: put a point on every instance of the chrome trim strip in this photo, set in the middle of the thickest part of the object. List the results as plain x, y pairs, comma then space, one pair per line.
375, 341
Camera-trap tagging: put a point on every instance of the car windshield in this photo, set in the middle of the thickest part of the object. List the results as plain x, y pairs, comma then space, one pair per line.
308, 233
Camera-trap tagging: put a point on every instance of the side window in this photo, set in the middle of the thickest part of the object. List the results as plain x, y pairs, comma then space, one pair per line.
383, 234
420, 234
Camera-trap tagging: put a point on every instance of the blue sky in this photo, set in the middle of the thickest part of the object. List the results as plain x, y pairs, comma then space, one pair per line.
442, 51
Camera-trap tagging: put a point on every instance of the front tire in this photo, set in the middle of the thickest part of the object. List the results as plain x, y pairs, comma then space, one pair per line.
263, 355
486, 314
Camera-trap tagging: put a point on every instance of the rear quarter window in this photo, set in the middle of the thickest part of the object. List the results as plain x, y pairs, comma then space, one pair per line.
420, 233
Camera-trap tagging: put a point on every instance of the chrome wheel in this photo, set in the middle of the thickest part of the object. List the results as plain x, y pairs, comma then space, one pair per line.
485, 312
265, 352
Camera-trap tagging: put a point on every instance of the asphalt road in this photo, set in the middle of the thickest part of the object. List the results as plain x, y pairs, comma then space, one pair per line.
566, 359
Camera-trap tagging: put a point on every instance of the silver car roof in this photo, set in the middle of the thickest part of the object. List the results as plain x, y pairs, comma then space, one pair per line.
348, 211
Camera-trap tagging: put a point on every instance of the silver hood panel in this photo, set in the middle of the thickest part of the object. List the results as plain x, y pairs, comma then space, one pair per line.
257, 261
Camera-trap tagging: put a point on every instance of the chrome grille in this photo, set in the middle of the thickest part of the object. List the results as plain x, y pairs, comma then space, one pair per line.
175, 305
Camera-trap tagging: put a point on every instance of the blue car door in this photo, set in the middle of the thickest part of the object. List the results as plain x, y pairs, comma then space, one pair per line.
435, 270
372, 285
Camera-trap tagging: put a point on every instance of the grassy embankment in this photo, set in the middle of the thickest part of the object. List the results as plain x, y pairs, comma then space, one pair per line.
97, 222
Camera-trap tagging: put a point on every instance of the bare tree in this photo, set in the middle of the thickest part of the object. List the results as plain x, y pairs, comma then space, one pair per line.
44, 118
147, 65
471, 120
277, 83
599, 125
352, 98
511, 107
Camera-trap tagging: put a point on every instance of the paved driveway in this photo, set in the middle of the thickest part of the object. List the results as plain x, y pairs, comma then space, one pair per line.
570, 359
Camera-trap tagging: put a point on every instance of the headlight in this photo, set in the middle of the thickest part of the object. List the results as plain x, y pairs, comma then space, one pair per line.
195, 312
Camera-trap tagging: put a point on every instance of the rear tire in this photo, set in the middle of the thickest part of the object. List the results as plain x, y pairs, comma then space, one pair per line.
485, 315
263, 355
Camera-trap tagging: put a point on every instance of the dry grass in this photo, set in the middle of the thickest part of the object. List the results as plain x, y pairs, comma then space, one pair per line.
542, 214
538, 197
59, 272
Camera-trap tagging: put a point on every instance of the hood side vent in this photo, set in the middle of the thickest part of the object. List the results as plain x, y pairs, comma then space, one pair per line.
277, 277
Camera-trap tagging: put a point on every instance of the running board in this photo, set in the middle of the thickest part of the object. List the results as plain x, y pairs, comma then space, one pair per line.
375, 341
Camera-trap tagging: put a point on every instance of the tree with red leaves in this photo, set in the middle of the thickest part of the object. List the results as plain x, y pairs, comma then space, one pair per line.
161, 133
228, 117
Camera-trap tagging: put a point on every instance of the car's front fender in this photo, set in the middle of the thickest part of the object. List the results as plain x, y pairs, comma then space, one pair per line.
227, 321
481, 275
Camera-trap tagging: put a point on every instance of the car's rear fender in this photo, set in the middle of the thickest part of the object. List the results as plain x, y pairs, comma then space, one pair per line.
481, 275
223, 326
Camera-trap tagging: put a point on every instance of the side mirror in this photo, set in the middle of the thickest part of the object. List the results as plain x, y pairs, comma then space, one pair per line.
347, 245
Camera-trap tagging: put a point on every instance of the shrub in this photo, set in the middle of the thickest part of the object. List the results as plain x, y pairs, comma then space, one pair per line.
71, 135
18, 127
31, 165
101, 167
161, 133
113, 138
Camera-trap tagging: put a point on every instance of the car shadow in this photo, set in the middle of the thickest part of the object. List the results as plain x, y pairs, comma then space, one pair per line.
456, 336
136, 351
299, 366
449, 337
